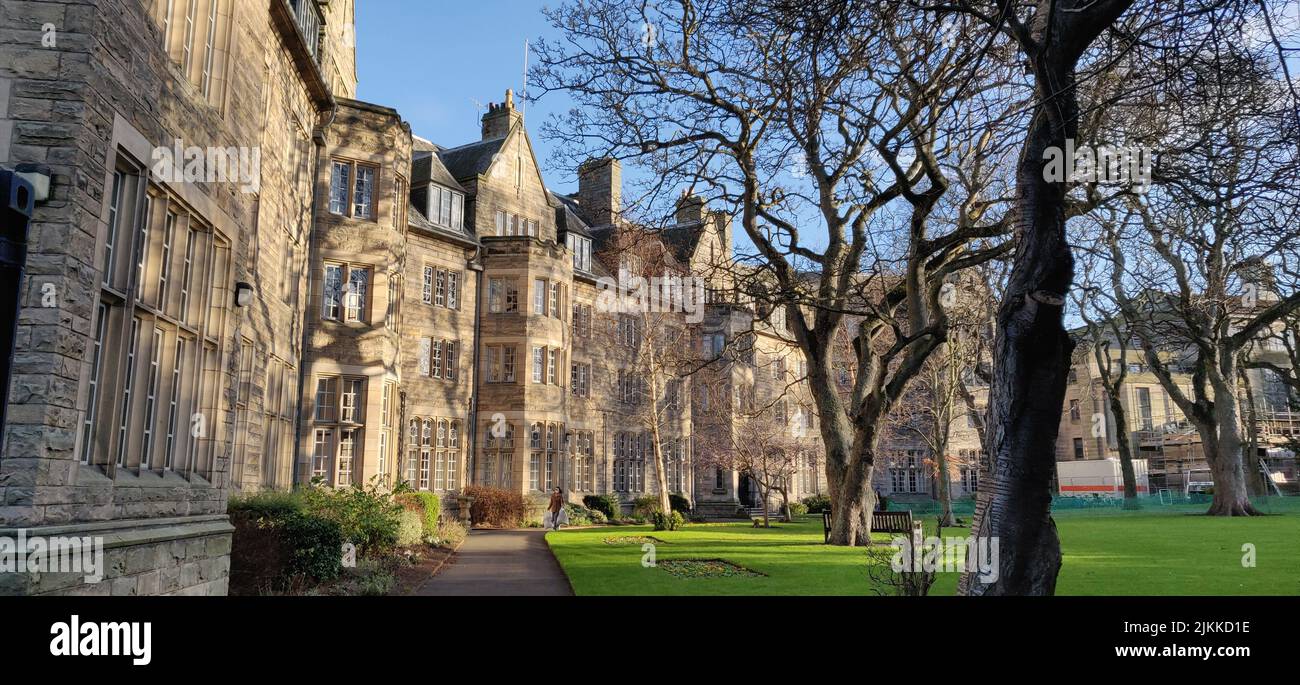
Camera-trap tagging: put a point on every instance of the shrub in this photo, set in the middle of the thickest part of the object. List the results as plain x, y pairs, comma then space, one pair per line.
578, 514
680, 503
598, 516
450, 533
315, 546
410, 528
367, 516
798, 509
605, 504
376, 580
427, 505
817, 504
496, 507
644, 507
282, 548
669, 521
268, 504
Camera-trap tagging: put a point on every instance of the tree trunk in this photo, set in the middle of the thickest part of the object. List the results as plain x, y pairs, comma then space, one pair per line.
851, 503
785, 504
1031, 361
1231, 497
1256, 483
1125, 447
946, 518
767, 523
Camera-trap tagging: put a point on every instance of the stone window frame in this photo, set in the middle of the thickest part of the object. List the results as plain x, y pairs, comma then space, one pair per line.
387, 394
337, 421
580, 246
442, 287
336, 302
580, 379
629, 462
537, 362
353, 178
178, 352
401, 198
450, 204
582, 315
509, 224
498, 456
555, 300
496, 368
540, 292
207, 63
279, 418
535, 452
583, 456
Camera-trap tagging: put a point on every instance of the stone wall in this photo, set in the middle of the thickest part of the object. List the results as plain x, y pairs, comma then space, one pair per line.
106, 90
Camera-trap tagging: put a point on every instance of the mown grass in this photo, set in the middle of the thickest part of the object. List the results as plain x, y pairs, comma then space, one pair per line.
1155, 551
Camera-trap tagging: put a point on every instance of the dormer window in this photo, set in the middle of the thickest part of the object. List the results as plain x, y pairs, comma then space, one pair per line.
446, 207
581, 248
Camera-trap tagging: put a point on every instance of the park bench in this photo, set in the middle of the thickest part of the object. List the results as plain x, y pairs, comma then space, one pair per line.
881, 522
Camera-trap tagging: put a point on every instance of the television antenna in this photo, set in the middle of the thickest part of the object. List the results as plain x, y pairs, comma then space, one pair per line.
523, 100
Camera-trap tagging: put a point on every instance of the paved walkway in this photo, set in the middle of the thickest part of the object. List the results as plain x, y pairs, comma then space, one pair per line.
501, 563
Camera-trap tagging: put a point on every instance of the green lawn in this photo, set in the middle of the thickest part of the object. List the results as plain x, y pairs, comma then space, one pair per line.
1164, 551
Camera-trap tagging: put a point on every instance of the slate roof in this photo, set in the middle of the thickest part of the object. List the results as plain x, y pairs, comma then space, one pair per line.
568, 215
468, 161
419, 144
682, 239
415, 219
428, 167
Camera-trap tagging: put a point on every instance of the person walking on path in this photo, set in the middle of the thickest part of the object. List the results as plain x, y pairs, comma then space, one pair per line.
556, 516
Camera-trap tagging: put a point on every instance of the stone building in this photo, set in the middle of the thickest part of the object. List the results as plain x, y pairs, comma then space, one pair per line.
160, 338
243, 279
1158, 431
352, 351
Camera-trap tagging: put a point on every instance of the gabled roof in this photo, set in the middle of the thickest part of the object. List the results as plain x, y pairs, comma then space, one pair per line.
469, 161
567, 216
427, 168
682, 239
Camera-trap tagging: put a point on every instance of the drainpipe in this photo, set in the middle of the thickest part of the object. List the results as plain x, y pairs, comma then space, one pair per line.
474, 264
17, 199
318, 137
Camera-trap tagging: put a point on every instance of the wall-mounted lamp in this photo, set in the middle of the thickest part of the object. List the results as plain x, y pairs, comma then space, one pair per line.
243, 294
38, 175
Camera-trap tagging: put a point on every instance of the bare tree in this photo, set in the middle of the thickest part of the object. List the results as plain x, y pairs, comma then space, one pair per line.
846, 117
1108, 341
1202, 266
935, 399
658, 381
762, 446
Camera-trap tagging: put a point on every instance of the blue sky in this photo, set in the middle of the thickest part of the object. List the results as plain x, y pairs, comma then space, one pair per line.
432, 59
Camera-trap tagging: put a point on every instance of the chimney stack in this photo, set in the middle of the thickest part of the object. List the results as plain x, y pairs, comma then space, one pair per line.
501, 117
691, 208
600, 190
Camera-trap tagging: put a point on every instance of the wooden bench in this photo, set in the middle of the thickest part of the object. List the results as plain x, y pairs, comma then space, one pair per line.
881, 522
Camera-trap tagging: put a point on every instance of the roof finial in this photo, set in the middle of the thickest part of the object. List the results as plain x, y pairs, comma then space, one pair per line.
510, 98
